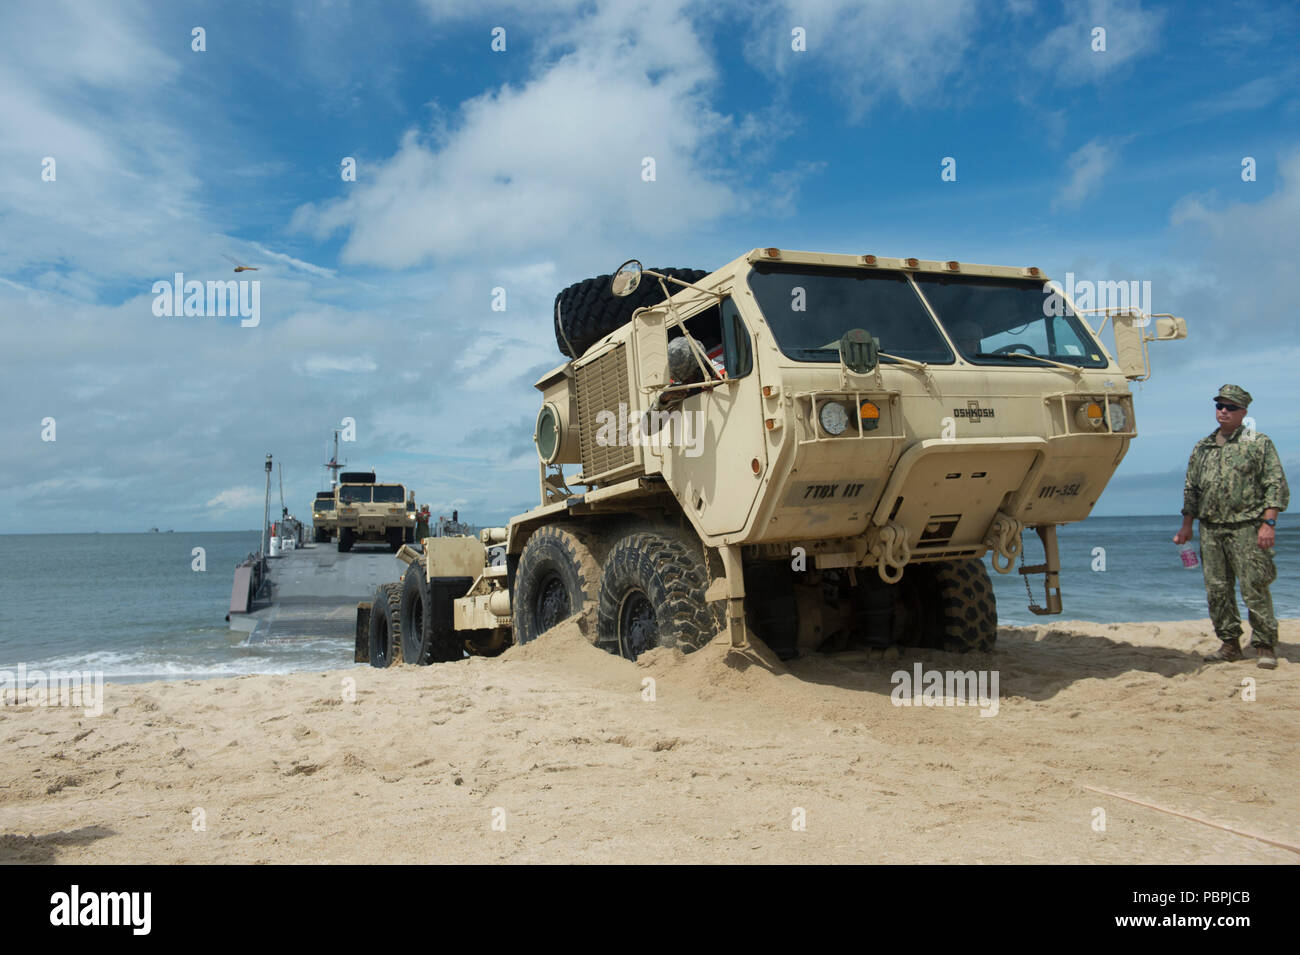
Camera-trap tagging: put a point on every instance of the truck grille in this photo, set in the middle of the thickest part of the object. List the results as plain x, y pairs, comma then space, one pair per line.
602, 386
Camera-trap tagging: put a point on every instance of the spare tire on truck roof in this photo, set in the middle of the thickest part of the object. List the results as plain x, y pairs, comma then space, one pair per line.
587, 311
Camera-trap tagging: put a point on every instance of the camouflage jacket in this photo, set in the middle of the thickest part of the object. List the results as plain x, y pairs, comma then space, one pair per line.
1235, 482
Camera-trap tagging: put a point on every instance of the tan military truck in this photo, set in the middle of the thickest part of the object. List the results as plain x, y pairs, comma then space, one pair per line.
371, 512
323, 521
815, 449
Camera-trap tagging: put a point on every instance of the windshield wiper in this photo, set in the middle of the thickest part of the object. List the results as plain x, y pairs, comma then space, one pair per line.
1072, 369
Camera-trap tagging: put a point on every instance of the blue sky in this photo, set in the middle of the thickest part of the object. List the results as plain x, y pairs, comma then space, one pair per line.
522, 169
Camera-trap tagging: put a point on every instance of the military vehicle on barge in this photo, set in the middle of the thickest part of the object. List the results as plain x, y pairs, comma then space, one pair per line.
370, 512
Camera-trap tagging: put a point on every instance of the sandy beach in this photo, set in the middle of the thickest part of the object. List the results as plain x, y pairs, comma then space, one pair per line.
554, 752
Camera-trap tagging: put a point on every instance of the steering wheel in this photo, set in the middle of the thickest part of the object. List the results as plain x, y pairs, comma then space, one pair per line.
1015, 347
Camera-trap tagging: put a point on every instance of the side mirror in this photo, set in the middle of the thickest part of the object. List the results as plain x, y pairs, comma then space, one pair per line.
651, 337
1170, 329
626, 278
1130, 345
859, 351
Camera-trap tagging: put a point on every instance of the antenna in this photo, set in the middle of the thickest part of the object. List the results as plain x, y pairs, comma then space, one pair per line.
284, 511
333, 465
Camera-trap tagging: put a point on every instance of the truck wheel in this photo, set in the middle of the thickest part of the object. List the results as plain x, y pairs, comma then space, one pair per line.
558, 576
386, 626
428, 632
652, 595
345, 539
587, 311
414, 614
969, 609
395, 539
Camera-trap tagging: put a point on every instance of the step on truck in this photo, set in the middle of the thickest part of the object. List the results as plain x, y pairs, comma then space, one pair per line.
816, 450
369, 512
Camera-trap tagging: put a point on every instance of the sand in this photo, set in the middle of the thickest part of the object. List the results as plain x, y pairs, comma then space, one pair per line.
552, 753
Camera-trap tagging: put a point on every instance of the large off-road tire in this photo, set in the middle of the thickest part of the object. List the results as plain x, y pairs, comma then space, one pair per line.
968, 608
396, 537
414, 613
652, 595
558, 576
386, 626
345, 539
428, 632
587, 311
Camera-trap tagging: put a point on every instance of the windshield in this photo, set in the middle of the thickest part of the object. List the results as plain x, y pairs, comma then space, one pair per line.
993, 320
389, 494
354, 493
809, 308
324, 504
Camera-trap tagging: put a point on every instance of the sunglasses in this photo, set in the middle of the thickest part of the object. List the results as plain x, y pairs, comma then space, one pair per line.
1220, 406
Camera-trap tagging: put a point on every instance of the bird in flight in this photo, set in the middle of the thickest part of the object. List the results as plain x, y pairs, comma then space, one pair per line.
240, 267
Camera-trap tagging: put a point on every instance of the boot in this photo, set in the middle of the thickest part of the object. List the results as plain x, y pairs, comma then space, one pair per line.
1229, 651
1266, 659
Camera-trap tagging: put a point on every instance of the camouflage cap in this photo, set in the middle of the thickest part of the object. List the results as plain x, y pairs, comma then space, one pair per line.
1234, 394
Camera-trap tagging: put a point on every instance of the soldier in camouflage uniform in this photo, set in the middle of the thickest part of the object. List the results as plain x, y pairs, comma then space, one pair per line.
1236, 487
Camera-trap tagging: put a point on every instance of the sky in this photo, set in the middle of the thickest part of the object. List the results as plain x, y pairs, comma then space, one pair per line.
501, 145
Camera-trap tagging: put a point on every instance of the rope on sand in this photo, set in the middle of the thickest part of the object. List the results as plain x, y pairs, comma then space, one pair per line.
1194, 818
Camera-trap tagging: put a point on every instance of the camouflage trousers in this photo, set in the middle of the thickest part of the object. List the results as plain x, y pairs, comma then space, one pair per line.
1231, 552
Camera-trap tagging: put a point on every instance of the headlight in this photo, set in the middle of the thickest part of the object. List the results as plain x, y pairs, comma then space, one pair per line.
834, 417
1089, 416
1118, 417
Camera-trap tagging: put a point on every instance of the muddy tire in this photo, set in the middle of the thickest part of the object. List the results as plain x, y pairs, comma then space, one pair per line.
969, 612
587, 311
345, 539
386, 626
652, 595
558, 576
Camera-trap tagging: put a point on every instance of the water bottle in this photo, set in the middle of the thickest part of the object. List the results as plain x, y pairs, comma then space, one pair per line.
1187, 553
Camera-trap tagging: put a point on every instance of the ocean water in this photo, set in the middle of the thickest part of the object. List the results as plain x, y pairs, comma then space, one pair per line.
132, 606
1143, 579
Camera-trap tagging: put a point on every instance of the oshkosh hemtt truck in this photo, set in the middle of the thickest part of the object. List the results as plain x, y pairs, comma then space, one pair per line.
817, 449
368, 512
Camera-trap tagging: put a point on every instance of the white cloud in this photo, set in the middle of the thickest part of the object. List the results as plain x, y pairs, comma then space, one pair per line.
556, 160
1244, 252
1087, 166
237, 498
332, 364
1066, 54
864, 50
